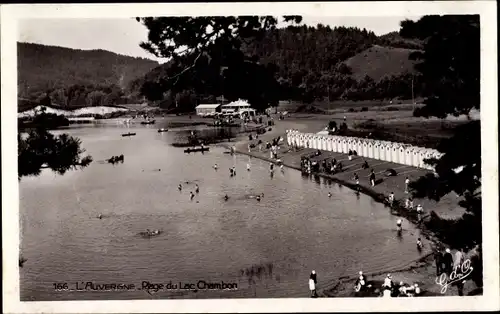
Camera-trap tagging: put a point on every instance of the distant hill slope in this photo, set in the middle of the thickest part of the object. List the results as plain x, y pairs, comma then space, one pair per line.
377, 62
43, 67
313, 63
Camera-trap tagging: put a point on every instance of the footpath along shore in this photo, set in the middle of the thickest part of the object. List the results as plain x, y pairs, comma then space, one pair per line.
421, 271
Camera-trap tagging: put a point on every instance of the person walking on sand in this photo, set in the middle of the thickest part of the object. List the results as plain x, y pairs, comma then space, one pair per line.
372, 178
448, 261
313, 280
438, 259
407, 183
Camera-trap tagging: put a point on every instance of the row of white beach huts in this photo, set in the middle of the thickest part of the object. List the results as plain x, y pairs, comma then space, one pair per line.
382, 150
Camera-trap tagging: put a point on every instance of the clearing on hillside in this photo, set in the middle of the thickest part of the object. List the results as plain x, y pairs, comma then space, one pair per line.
378, 61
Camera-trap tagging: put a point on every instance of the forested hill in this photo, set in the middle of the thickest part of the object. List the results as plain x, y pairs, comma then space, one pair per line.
317, 62
61, 71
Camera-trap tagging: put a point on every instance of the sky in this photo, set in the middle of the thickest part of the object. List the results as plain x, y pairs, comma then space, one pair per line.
122, 35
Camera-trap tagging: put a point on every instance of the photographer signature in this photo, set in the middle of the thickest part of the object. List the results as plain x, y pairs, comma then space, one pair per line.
458, 273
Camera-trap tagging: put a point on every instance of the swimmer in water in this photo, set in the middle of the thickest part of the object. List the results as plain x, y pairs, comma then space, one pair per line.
215, 167
226, 197
329, 194
100, 216
179, 187
248, 167
234, 171
197, 189
192, 195
257, 198
398, 224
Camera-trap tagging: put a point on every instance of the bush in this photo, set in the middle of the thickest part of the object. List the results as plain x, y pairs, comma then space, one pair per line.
332, 125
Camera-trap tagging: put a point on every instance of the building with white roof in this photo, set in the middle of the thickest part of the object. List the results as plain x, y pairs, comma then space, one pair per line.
235, 106
207, 109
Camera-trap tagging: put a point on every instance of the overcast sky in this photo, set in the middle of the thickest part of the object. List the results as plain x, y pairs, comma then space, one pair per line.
124, 35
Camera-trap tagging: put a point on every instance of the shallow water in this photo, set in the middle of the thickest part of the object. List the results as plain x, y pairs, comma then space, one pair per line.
294, 229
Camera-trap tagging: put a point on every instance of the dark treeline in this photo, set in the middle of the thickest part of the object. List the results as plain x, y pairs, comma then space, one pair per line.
74, 78
298, 63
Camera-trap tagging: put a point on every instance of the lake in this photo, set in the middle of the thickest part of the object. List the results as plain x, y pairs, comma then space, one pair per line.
267, 248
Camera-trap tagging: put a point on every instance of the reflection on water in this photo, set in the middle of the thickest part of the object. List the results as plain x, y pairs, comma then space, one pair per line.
268, 248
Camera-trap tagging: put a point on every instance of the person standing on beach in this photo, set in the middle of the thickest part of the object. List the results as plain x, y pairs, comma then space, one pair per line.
391, 198
458, 258
407, 183
448, 262
313, 280
356, 179
438, 257
372, 178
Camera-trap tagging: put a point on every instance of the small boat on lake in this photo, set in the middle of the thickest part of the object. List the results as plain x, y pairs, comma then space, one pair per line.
148, 122
194, 150
128, 134
162, 130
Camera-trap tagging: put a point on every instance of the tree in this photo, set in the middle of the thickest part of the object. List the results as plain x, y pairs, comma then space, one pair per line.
332, 125
450, 65
41, 149
212, 47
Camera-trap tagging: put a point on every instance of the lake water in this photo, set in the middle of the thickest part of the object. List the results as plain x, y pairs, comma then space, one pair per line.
294, 229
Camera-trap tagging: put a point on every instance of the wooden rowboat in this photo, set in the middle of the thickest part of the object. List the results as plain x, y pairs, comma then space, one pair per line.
194, 150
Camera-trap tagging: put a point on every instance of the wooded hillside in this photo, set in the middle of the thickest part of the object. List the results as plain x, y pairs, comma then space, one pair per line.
75, 78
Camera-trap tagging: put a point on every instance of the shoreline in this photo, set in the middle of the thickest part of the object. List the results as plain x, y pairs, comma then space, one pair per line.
343, 286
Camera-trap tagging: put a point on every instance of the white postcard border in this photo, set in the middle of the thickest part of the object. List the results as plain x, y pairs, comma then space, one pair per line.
489, 137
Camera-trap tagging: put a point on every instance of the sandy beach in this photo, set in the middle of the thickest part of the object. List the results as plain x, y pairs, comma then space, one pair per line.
421, 271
